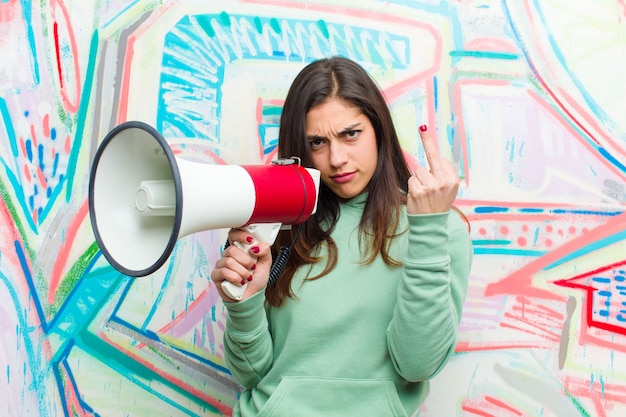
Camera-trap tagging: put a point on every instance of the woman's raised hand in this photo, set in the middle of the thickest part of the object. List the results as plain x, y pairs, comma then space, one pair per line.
434, 190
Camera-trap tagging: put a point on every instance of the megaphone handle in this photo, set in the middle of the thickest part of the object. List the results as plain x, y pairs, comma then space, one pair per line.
262, 232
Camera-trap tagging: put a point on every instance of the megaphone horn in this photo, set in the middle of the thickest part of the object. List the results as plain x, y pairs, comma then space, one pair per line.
142, 198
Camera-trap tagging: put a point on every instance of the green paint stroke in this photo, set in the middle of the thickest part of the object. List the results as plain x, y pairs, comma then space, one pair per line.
73, 276
578, 405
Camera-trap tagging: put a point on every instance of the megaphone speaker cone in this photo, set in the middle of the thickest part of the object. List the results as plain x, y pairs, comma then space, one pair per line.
134, 244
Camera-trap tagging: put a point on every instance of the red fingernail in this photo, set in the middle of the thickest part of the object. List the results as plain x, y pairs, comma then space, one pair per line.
255, 249
253, 267
250, 278
423, 128
249, 239
243, 282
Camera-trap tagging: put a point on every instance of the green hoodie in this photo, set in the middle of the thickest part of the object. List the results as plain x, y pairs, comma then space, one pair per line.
363, 340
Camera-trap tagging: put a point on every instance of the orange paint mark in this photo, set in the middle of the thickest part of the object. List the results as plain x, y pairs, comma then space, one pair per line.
27, 172
122, 114
42, 178
476, 411
46, 125
502, 404
23, 146
33, 136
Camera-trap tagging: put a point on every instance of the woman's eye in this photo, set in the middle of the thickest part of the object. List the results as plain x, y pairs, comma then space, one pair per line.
316, 142
352, 134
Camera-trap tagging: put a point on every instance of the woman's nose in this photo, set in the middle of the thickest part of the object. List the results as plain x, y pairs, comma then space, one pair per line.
338, 155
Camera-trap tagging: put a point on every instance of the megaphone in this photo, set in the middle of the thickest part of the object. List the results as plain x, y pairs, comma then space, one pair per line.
142, 199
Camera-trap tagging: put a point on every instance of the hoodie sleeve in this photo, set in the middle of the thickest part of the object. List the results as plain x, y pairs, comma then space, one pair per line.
247, 340
423, 331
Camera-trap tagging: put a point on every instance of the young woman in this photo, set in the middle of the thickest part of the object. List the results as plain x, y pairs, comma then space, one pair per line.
368, 306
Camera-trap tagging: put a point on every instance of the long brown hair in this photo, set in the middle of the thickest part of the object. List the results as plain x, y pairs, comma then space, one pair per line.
319, 81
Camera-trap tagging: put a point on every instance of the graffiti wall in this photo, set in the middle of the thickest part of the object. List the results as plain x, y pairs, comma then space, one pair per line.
527, 98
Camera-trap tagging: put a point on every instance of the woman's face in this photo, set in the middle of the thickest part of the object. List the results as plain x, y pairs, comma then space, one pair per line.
343, 146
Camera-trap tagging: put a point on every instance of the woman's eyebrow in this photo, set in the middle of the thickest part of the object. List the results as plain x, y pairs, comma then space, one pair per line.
314, 137
341, 132
350, 128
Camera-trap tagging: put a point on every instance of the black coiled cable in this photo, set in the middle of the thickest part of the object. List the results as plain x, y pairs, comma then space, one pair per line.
279, 264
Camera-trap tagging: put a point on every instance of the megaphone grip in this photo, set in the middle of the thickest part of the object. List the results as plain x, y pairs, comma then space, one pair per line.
262, 233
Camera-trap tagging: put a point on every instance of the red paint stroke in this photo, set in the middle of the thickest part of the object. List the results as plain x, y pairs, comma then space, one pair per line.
489, 407
223, 408
7, 10
71, 104
503, 405
42, 178
46, 125
514, 204
60, 262
555, 337
476, 411
23, 147
533, 320
122, 114
589, 336
27, 172
574, 282
481, 346
33, 136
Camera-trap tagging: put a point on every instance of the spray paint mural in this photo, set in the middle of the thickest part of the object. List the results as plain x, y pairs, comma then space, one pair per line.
527, 97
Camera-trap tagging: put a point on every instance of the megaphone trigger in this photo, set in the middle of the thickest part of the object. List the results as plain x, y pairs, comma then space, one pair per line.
263, 232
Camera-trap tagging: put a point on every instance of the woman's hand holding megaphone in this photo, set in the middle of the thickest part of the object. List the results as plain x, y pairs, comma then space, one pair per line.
246, 264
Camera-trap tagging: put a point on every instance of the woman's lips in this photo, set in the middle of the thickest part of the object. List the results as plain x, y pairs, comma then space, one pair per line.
343, 178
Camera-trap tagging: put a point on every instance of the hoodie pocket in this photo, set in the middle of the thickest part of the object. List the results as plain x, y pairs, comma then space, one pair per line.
327, 397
